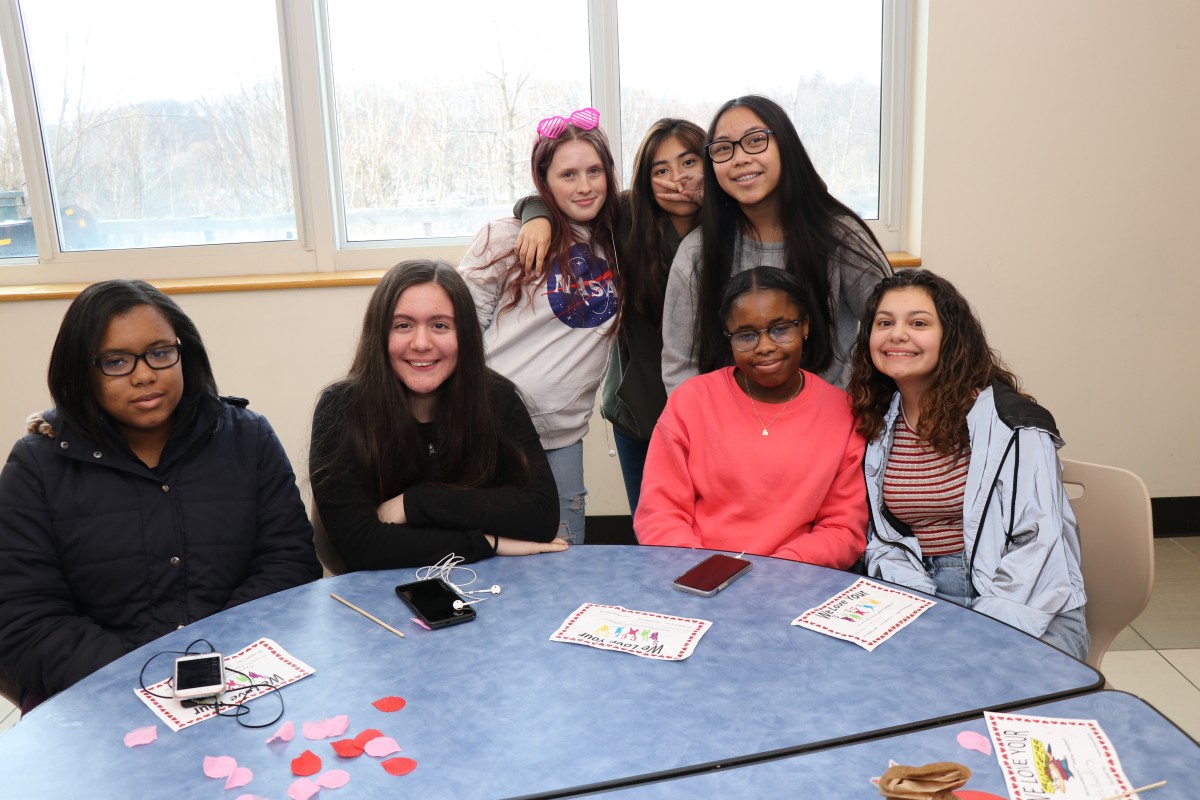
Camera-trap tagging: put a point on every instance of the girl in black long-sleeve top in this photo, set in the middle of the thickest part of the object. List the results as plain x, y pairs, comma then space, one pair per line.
422, 451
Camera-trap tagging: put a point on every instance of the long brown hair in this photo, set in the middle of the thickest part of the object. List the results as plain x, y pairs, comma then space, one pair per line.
966, 364
645, 265
562, 236
376, 434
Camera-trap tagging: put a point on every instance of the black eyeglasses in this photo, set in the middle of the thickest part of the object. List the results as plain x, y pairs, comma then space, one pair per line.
117, 364
752, 143
745, 341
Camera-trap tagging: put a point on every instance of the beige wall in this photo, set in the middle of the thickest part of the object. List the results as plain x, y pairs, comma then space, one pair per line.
1061, 180
1057, 169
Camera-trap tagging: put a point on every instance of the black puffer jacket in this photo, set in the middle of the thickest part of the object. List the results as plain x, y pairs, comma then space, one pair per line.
99, 554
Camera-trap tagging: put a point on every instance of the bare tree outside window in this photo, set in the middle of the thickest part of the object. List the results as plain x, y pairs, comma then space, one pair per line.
154, 136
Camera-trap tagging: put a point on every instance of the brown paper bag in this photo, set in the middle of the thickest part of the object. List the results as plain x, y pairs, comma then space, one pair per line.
930, 782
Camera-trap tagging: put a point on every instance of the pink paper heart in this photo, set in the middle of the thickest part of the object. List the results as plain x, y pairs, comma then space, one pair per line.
975, 741
250, 797
285, 733
140, 736
219, 766
334, 779
239, 777
302, 789
381, 746
323, 729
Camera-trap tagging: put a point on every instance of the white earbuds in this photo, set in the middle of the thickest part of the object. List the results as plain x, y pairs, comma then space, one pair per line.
444, 569
459, 605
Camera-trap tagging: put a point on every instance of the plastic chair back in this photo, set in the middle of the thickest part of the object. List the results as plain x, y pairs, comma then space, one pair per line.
1116, 534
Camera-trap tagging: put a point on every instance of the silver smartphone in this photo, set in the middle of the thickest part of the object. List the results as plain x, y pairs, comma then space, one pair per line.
199, 676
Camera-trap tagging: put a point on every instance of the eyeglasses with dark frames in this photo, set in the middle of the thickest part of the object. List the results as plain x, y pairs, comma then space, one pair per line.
752, 143
781, 333
115, 365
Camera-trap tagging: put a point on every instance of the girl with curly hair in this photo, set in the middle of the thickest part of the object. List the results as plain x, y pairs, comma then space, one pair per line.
963, 479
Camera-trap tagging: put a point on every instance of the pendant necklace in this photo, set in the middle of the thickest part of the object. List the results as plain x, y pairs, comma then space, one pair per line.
754, 407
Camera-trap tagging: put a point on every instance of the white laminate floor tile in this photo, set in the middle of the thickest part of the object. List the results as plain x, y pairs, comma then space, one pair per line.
9, 715
1189, 543
1174, 559
1129, 639
1186, 661
1172, 619
1150, 676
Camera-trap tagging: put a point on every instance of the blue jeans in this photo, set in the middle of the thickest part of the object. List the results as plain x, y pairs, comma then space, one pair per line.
632, 453
950, 574
567, 465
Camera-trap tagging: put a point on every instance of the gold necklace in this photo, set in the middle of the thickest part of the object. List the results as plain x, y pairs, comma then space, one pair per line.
754, 407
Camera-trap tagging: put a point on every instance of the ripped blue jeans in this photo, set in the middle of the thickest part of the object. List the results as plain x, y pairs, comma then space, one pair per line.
567, 465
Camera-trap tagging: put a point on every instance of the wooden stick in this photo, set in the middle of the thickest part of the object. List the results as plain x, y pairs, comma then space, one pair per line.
1132, 792
371, 617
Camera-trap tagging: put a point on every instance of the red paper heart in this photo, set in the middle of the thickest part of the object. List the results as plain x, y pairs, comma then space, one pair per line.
390, 703
347, 748
399, 766
366, 736
305, 764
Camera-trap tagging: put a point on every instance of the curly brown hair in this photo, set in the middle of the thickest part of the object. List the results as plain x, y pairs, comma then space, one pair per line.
966, 364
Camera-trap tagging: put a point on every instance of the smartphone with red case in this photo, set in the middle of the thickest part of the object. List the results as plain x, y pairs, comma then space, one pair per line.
712, 575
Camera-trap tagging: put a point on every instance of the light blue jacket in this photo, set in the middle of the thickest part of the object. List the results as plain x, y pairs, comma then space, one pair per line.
1018, 526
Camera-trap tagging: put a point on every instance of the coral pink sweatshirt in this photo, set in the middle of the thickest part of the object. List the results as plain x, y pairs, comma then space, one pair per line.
712, 479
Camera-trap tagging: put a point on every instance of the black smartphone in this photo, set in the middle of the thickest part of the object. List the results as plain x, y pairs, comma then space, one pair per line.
432, 600
712, 575
199, 676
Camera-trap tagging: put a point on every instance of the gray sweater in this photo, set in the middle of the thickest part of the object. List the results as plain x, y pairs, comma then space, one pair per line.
851, 280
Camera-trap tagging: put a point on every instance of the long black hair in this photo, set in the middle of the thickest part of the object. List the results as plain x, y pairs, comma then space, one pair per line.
646, 267
376, 434
813, 223
72, 374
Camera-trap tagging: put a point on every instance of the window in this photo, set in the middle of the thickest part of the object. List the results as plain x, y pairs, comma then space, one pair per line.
16, 228
434, 135
820, 60
183, 140
163, 124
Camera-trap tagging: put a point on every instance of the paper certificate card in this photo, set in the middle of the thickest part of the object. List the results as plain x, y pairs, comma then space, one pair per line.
864, 613
264, 666
641, 633
1067, 759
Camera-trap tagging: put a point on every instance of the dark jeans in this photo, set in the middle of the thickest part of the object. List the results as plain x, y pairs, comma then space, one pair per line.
632, 453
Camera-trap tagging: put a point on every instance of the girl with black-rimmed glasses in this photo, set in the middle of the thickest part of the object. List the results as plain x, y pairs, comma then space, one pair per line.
761, 457
765, 204
142, 501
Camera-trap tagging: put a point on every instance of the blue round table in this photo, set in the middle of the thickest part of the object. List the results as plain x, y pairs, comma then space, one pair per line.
495, 709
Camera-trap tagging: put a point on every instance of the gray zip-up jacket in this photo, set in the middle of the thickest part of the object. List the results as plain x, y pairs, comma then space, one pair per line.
1018, 527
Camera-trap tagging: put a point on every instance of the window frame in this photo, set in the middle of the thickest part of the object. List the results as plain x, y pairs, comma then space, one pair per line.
321, 244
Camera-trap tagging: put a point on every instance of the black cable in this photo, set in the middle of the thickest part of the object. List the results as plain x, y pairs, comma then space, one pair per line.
239, 710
